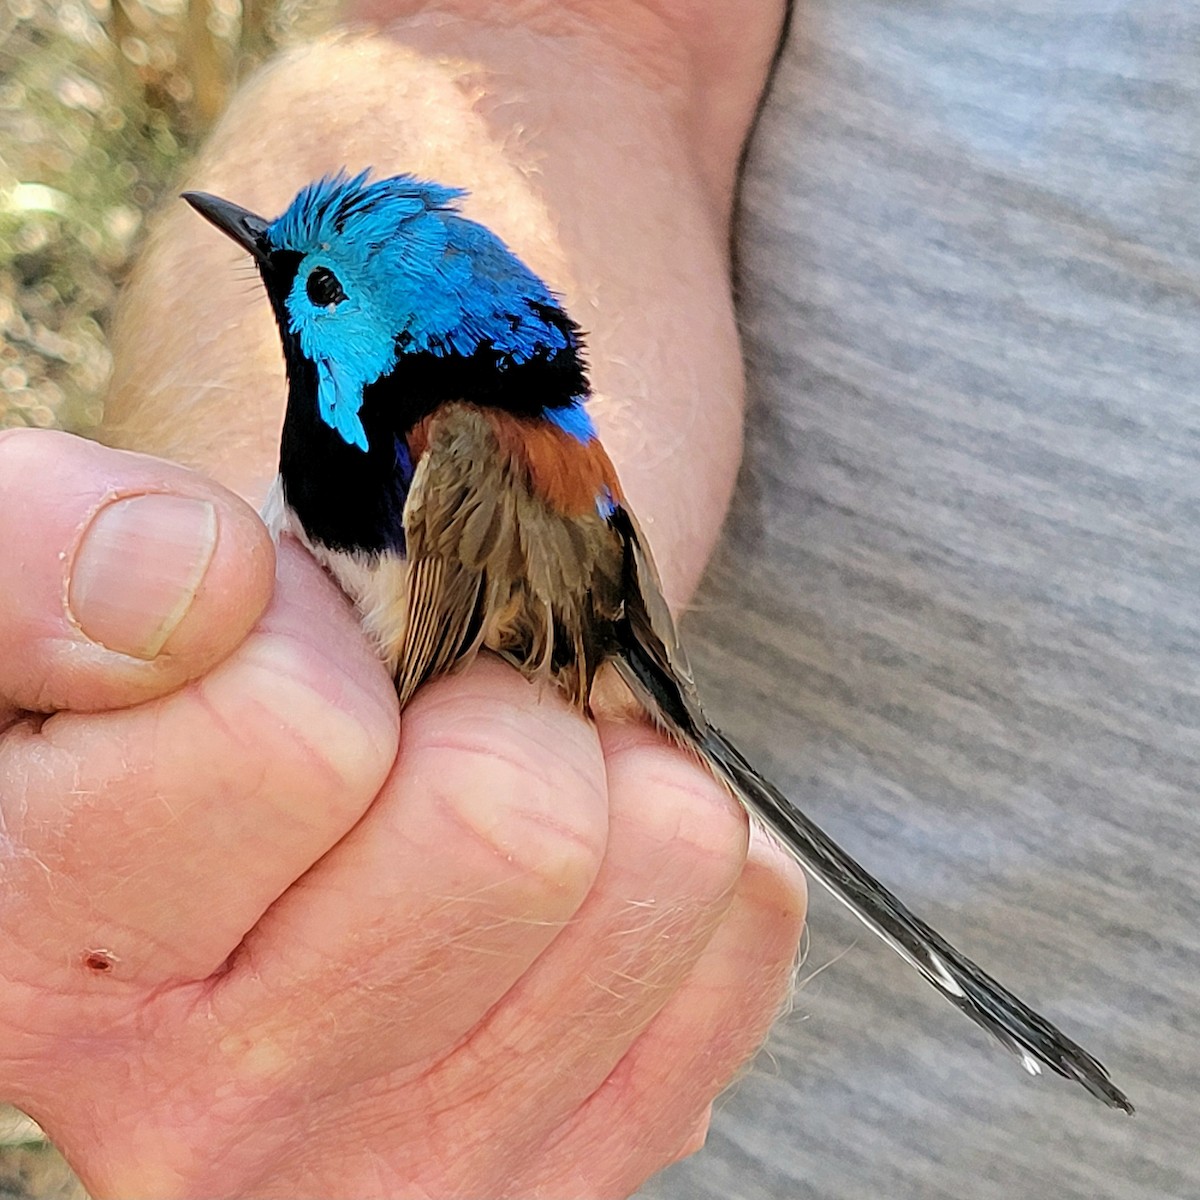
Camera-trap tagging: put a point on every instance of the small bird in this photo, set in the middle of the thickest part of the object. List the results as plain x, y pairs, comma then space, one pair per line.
438, 459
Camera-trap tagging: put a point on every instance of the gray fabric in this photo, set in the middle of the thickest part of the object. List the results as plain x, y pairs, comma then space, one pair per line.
957, 610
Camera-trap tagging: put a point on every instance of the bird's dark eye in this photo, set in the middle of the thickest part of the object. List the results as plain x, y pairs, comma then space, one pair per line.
323, 288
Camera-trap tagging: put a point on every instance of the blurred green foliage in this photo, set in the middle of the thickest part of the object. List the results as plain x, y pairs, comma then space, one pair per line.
100, 103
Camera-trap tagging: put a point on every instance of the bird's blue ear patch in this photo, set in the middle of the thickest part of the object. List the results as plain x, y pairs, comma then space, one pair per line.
339, 401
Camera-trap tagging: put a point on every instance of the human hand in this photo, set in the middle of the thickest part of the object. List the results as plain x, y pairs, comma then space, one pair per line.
251, 951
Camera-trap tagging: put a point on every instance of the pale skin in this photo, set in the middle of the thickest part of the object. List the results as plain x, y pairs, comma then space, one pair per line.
263, 937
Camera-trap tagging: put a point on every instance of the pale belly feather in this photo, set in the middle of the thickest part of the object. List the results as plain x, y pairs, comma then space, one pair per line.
378, 584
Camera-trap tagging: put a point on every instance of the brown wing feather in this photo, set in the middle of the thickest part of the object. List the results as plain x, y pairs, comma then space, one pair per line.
646, 607
443, 591
493, 563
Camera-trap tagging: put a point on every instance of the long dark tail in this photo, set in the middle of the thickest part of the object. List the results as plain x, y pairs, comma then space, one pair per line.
661, 679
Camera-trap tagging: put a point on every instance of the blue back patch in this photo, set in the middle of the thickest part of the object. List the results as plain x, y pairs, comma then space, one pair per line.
574, 419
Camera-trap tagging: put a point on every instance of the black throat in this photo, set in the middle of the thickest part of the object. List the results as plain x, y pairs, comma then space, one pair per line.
353, 500
345, 498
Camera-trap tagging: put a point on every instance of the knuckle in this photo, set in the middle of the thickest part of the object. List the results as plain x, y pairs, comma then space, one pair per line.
694, 1142
269, 700
534, 805
776, 888
682, 805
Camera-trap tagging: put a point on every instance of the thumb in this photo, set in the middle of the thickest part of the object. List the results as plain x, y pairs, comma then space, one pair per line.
121, 577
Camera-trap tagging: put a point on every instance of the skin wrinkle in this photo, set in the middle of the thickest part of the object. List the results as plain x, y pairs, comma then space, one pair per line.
492, 753
300, 748
116, 934
113, 1030
196, 694
34, 1020
555, 722
262, 652
265, 659
143, 938
557, 739
409, 973
704, 803
551, 871
554, 733
541, 769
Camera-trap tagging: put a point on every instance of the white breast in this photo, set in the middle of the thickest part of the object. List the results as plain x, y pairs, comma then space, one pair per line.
378, 584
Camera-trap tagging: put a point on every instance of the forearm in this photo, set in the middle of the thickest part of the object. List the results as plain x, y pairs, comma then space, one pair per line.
586, 141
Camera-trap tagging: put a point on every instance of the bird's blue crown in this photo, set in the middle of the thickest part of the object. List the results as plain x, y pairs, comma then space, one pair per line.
386, 286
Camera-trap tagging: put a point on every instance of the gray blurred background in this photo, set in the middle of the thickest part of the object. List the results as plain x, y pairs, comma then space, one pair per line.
957, 613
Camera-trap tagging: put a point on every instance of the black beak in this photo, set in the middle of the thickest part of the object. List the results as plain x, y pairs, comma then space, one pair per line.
245, 227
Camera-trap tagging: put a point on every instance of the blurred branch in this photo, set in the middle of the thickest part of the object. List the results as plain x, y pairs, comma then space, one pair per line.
209, 60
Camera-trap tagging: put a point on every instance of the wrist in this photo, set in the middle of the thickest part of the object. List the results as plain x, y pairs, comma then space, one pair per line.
706, 60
